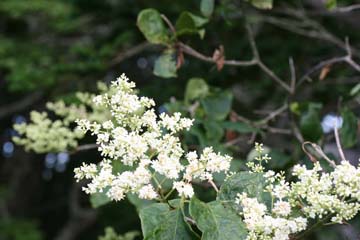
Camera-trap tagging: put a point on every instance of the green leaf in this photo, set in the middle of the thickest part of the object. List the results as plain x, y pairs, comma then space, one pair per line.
330, 4
151, 217
189, 23
207, 7
239, 127
348, 131
262, 4
214, 131
196, 88
251, 183
355, 90
159, 222
217, 106
99, 199
310, 125
278, 160
216, 222
165, 66
138, 202
152, 26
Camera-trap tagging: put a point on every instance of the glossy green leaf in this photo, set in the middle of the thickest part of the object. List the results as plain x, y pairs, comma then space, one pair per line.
189, 23
152, 26
217, 106
207, 7
217, 222
196, 88
310, 124
251, 183
165, 66
159, 222
348, 131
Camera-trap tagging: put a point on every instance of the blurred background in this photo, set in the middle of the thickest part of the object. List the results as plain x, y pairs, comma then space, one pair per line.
49, 50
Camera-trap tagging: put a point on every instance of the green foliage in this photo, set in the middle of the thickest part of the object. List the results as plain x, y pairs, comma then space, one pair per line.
196, 88
158, 221
11, 229
189, 23
110, 234
216, 222
251, 183
310, 123
349, 129
331, 4
217, 105
165, 65
99, 199
152, 26
207, 7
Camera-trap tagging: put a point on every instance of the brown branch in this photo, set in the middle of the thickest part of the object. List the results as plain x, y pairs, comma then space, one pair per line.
130, 53
192, 52
347, 59
20, 105
255, 61
84, 147
272, 115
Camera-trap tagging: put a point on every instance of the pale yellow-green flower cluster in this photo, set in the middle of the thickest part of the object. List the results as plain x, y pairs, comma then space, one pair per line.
44, 135
145, 142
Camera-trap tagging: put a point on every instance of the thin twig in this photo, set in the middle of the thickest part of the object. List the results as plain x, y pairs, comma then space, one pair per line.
319, 151
214, 185
347, 58
84, 147
347, 8
272, 115
338, 143
20, 105
168, 22
130, 53
257, 58
192, 52
293, 75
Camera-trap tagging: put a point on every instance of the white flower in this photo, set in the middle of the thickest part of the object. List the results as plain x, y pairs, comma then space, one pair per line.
331, 121
184, 189
282, 208
147, 192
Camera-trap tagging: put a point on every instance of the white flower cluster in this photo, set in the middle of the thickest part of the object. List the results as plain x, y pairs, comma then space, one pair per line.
265, 225
335, 194
149, 144
256, 164
317, 195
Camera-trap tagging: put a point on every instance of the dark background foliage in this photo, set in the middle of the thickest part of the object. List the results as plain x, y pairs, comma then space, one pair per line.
51, 49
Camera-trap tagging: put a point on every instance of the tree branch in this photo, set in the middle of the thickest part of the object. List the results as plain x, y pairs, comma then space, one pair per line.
20, 105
